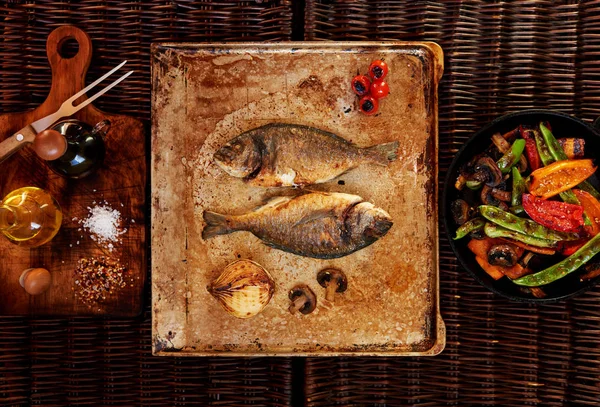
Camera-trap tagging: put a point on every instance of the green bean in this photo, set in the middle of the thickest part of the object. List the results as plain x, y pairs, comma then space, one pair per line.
492, 230
517, 210
542, 148
474, 185
512, 156
468, 227
555, 149
518, 187
565, 267
521, 225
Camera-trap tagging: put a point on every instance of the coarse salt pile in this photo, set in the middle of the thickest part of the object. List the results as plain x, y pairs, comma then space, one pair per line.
104, 225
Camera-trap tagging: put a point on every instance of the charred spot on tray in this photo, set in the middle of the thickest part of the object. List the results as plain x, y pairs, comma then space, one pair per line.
312, 83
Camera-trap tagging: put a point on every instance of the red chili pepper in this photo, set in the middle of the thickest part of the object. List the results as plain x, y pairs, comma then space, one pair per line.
555, 215
533, 157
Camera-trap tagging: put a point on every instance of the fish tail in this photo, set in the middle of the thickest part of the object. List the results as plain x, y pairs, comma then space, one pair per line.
216, 224
383, 154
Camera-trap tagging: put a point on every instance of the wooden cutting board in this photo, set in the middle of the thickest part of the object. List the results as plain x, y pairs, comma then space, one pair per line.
207, 94
121, 182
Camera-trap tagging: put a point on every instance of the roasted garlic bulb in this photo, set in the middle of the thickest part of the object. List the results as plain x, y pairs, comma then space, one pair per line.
243, 289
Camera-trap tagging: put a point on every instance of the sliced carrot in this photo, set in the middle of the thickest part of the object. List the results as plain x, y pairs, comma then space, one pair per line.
593, 270
591, 207
559, 177
493, 271
534, 249
537, 292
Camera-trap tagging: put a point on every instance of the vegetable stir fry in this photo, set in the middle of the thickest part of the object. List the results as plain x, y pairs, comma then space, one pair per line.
528, 209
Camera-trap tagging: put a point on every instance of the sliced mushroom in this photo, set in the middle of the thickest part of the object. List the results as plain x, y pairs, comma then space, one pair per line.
525, 259
334, 281
501, 195
460, 211
487, 198
500, 142
487, 171
502, 255
303, 300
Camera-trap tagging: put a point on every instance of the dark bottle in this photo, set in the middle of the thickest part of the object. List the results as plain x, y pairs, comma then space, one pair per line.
85, 148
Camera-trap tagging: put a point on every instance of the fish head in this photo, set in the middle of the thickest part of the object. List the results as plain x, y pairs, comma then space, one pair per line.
367, 222
240, 157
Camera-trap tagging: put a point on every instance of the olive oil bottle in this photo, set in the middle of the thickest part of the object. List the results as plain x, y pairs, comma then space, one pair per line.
29, 217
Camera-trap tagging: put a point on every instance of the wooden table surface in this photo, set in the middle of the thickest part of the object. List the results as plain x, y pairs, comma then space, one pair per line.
500, 56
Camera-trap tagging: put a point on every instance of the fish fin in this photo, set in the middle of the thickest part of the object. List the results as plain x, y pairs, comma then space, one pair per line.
216, 224
382, 154
274, 201
277, 246
316, 215
281, 196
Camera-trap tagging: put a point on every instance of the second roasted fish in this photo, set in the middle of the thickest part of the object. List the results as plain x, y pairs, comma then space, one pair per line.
317, 224
278, 155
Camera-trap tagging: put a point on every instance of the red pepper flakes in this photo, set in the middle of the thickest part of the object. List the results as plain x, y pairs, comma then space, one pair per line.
97, 278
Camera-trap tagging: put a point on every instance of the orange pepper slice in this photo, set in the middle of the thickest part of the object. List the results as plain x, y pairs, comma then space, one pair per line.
591, 207
559, 177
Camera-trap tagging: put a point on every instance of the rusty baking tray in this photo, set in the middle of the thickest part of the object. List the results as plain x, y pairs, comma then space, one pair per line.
206, 94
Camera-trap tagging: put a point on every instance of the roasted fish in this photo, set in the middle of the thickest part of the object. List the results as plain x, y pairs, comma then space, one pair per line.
316, 224
279, 155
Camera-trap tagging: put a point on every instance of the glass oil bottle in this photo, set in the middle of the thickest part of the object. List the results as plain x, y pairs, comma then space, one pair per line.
29, 217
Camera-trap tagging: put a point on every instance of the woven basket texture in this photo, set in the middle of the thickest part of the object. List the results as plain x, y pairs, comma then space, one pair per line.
500, 56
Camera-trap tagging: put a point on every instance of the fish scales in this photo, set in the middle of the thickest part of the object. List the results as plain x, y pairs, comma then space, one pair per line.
316, 224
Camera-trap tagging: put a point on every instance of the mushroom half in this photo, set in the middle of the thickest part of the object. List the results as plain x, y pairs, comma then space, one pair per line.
303, 300
334, 281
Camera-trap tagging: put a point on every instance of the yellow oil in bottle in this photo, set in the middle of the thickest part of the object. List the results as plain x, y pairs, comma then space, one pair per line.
29, 217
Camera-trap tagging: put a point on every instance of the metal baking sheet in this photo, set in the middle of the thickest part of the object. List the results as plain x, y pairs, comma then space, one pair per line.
206, 94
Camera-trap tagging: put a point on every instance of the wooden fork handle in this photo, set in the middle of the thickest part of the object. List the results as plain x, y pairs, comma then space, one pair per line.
17, 141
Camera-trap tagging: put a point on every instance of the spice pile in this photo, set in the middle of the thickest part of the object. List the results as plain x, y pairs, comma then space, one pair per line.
96, 278
104, 225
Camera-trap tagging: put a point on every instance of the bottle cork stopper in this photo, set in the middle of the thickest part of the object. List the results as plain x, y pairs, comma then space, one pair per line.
50, 145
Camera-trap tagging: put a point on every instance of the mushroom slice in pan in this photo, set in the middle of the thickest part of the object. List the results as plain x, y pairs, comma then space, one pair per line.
503, 255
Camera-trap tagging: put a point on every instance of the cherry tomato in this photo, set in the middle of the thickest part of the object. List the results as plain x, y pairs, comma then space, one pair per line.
379, 89
378, 69
361, 85
369, 105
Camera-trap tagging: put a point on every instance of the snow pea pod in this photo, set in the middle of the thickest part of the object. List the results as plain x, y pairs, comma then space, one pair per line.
565, 267
559, 154
518, 187
468, 227
512, 156
492, 230
521, 225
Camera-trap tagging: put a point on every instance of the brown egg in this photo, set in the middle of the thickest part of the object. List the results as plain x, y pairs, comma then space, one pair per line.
50, 145
35, 281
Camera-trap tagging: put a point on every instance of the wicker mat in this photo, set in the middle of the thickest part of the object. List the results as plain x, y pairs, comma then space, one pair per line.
500, 56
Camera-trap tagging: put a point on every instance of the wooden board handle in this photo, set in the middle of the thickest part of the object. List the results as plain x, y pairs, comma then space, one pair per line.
68, 74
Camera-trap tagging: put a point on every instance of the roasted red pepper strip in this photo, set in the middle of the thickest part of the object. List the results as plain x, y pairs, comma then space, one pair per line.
533, 157
554, 215
567, 248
